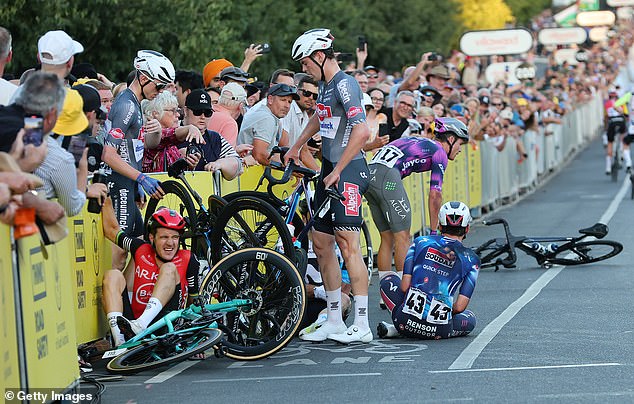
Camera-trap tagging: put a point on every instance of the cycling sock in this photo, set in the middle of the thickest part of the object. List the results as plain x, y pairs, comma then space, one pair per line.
361, 311
383, 274
333, 301
627, 158
152, 308
608, 164
117, 337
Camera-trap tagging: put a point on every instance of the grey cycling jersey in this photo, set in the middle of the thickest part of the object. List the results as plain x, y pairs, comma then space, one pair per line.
126, 134
339, 108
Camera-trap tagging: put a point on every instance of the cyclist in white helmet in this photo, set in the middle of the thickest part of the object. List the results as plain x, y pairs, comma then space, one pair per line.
436, 269
124, 144
340, 120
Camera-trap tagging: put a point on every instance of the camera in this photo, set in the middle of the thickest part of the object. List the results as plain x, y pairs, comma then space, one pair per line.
433, 57
34, 130
193, 148
266, 48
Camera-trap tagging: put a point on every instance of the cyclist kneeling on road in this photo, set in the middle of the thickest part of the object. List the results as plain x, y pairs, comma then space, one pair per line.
422, 303
163, 279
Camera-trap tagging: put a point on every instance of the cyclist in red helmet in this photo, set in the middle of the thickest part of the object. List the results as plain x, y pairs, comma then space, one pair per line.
164, 276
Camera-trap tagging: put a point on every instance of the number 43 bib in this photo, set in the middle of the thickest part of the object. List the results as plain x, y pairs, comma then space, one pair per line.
438, 313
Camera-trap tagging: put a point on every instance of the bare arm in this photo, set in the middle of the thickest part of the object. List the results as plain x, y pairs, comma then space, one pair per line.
434, 202
259, 152
109, 221
406, 282
405, 84
311, 128
112, 158
461, 304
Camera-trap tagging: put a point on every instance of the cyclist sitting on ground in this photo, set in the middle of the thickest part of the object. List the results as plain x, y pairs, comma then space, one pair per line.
163, 279
386, 195
422, 303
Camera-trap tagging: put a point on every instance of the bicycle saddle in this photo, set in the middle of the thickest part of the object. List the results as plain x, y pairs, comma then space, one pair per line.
177, 168
599, 230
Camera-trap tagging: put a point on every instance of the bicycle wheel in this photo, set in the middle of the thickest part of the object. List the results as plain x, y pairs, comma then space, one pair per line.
615, 168
585, 252
249, 222
176, 198
276, 288
632, 185
365, 241
169, 348
489, 252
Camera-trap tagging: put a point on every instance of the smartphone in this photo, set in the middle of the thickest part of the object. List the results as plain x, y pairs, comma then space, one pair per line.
383, 129
432, 57
266, 48
34, 130
77, 145
362, 42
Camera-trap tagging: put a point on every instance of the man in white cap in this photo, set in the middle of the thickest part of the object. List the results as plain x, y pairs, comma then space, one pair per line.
56, 52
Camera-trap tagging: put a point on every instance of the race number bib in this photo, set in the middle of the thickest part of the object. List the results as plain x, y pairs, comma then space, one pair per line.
387, 155
138, 149
438, 312
415, 303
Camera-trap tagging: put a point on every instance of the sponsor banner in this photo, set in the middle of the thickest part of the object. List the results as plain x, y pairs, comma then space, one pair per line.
504, 72
598, 34
620, 3
562, 36
10, 376
596, 18
496, 42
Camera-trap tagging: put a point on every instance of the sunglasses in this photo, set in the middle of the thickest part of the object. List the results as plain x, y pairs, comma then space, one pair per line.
496, 104
307, 93
373, 76
375, 99
199, 112
429, 94
284, 88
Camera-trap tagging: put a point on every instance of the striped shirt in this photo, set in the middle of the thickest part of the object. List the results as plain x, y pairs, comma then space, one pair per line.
59, 175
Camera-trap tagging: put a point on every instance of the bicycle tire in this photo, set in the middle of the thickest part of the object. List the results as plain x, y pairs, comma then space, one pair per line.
614, 173
277, 289
582, 250
488, 253
365, 241
632, 185
164, 351
177, 198
249, 222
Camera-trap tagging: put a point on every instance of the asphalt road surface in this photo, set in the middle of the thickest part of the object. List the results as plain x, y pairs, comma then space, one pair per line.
563, 334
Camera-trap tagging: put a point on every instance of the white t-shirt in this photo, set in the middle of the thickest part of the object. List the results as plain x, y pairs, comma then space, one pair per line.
6, 91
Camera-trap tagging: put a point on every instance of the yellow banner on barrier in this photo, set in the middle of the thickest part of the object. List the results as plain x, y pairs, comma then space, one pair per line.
474, 182
459, 172
48, 313
10, 376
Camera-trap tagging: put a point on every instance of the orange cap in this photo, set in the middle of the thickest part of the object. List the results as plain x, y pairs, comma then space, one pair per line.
213, 69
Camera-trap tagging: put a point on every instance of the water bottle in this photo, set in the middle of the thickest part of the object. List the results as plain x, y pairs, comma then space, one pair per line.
551, 248
94, 206
538, 248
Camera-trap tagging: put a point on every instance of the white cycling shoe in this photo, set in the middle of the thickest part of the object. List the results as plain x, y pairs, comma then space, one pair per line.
353, 334
319, 331
129, 328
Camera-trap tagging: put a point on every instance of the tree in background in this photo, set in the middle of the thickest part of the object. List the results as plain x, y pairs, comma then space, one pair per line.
485, 14
524, 10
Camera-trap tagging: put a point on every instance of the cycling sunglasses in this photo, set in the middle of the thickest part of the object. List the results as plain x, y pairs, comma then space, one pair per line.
307, 93
199, 112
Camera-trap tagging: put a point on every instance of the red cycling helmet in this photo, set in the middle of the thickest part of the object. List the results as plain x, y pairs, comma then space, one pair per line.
166, 218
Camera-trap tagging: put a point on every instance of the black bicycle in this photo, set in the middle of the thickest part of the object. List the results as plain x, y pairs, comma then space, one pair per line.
548, 251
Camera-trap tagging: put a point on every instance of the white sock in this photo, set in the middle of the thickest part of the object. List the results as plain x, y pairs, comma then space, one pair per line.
608, 163
400, 274
333, 302
361, 312
383, 274
627, 158
152, 308
117, 337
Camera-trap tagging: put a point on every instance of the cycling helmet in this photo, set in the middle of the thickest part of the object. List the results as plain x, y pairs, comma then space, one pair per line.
166, 218
155, 66
451, 126
454, 214
311, 41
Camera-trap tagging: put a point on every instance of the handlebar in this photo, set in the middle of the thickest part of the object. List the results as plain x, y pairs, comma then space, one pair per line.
510, 260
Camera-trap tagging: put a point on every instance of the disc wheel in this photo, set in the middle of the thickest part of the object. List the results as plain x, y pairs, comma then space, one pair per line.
277, 291
166, 349
585, 252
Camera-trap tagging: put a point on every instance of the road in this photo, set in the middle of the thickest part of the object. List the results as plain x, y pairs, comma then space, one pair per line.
557, 335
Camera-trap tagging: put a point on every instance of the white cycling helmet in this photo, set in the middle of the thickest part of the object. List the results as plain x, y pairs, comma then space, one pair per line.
155, 66
311, 41
454, 214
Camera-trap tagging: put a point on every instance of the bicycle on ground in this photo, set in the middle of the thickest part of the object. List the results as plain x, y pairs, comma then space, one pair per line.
547, 251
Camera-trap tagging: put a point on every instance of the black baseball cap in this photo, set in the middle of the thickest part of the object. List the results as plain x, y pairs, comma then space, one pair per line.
198, 99
281, 90
234, 73
92, 100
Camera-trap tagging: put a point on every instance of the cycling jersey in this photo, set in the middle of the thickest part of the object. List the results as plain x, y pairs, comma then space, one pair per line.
146, 271
386, 195
339, 107
439, 267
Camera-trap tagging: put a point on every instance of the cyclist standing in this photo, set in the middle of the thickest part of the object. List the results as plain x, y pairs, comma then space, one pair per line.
387, 197
164, 276
124, 143
422, 303
340, 120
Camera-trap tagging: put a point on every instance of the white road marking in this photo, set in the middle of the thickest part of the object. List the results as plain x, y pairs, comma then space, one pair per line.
587, 365
250, 379
468, 356
171, 372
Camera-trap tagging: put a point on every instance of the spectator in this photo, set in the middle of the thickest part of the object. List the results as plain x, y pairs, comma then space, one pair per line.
425, 116
233, 98
216, 154
430, 96
185, 82
438, 76
211, 73
56, 52
302, 109
373, 76
439, 110
374, 118
411, 79
262, 127
6, 89
164, 108
362, 78
233, 74
398, 115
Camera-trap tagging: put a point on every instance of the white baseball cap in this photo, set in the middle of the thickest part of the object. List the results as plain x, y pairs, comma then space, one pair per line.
367, 101
57, 47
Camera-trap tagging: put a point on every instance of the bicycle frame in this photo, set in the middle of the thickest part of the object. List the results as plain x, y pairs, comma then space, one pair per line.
193, 313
